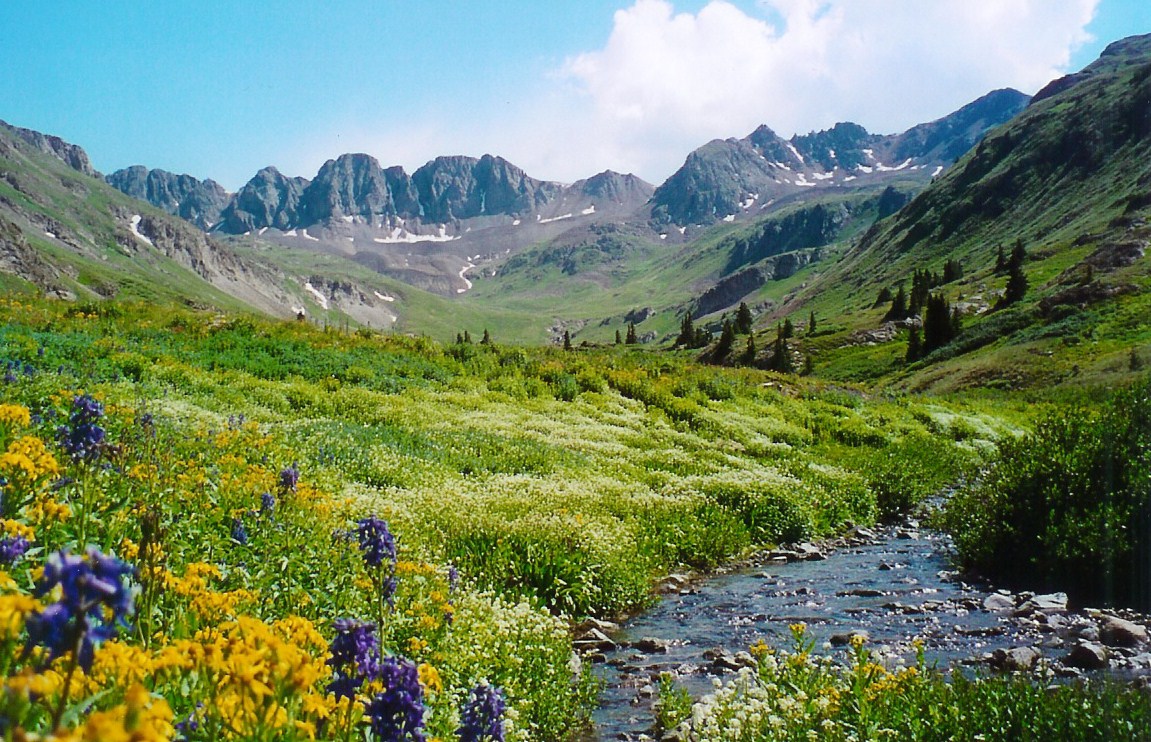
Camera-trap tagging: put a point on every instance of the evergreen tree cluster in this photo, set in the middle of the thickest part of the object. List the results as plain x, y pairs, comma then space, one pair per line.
780, 352
904, 306
691, 336
941, 324
1016, 279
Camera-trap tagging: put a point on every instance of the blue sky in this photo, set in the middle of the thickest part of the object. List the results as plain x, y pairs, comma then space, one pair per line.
564, 88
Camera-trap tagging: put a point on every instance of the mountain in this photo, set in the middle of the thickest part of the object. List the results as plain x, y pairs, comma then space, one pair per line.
731, 177
70, 154
453, 188
197, 201
68, 233
1067, 182
269, 199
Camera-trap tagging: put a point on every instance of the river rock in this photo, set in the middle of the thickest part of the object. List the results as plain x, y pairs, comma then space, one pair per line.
1015, 660
650, 645
1050, 603
998, 602
839, 640
810, 552
1117, 632
594, 623
594, 640
1087, 656
862, 592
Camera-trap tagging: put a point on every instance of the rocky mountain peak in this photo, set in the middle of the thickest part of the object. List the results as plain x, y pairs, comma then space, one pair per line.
200, 202
70, 154
349, 186
726, 178
269, 199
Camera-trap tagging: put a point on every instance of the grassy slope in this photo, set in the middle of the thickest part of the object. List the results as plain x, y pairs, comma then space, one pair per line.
94, 215
1064, 179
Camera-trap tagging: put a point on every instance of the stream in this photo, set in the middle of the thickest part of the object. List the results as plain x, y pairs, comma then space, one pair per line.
891, 583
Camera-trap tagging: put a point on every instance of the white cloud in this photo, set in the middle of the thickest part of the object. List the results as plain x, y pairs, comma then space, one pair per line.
666, 82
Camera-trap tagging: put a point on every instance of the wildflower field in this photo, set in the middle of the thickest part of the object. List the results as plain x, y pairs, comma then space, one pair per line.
227, 528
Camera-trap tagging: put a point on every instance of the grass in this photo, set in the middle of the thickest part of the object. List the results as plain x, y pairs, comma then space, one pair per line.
558, 484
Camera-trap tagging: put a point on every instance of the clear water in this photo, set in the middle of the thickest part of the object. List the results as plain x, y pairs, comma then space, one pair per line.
917, 599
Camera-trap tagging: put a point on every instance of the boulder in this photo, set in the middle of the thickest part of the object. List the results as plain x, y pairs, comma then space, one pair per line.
1050, 603
1087, 656
650, 645
1015, 660
839, 640
1117, 632
998, 602
594, 640
810, 552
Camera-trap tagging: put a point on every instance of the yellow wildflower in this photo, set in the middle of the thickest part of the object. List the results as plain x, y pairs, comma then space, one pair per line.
430, 678
14, 609
141, 718
15, 528
15, 415
28, 461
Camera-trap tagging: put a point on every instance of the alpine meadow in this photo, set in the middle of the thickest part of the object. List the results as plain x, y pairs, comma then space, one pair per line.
841, 436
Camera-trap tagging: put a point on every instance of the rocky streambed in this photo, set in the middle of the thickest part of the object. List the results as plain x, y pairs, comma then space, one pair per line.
893, 585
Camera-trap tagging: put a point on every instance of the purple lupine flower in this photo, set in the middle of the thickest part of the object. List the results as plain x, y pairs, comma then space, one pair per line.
453, 578
289, 478
187, 728
376, 541
398, 712
95, 601
82, 438
239, 532
355, 656
267, 503
480, 717
12, 548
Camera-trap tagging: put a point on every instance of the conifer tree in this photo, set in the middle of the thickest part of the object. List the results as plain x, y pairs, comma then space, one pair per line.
914, 346
743, 319
618, 338
467, 337
632, 338
1016, 279
749, 351
811, 324
567, 340
952, 271
788, 329
781, 356
459, 339
726, 342
883, 298
898, 308
487, 339
687, 335
808, 366
938, 329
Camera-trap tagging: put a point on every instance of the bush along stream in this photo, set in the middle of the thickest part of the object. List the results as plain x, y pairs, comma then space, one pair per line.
862, 634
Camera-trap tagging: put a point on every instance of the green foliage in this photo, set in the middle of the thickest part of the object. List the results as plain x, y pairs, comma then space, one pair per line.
743, 319
1069, 506
673, 705
793, 694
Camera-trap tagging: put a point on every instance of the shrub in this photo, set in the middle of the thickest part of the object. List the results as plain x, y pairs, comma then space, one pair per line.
1068, 506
